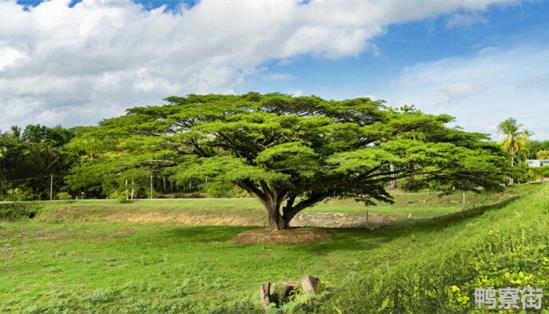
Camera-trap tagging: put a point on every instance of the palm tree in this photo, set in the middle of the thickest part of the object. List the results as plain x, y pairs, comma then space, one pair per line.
515, 138
16, 131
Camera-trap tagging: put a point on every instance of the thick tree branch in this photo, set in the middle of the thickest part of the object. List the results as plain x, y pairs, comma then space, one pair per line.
198, 149
290, 212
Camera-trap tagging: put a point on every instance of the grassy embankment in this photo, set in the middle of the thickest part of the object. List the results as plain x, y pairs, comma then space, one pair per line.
249, 211
59, 262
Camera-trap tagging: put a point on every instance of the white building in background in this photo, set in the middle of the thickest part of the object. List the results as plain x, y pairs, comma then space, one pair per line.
534, 163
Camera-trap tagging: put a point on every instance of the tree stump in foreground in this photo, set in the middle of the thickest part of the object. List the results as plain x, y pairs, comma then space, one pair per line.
289, 288
309, 285
265, 294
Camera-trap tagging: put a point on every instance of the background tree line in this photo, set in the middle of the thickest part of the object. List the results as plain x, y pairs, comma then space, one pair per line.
28, 159
38, 160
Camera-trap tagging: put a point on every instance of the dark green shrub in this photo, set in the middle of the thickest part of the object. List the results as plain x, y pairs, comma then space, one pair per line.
14, 211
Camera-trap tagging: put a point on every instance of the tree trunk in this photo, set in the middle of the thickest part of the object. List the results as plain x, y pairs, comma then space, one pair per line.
278, 220
274, 218
286, 218
272, 204
392, 183
511, 181
288, 212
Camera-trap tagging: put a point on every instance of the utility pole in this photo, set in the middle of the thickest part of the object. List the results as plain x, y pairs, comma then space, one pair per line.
151, 187
51, 187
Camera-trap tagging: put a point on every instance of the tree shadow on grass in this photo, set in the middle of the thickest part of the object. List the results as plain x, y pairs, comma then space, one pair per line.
352, 239
366, 239
343, 239
205, 234
443, 221
347, 239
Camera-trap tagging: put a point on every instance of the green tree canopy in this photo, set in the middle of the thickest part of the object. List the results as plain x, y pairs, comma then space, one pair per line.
533, 147
293, 152
29, 156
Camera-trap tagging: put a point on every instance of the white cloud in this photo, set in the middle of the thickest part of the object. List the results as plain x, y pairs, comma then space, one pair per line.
296, 93
482, 90
465, 20
275, 76
540, 81
460, 90
9, 57
77, 65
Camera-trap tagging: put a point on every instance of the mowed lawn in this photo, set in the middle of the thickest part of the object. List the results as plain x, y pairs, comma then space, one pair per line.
59, 262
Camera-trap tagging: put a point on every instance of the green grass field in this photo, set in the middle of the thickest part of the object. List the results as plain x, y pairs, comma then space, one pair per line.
69, 259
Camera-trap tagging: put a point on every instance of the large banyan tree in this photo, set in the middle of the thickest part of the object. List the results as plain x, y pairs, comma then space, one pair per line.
293, 152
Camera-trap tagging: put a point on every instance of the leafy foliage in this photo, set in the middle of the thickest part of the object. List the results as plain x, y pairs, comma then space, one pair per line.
18, 194
538, 173
111, 158
534, 146
542, 154
291, 152
64, 196
28, 157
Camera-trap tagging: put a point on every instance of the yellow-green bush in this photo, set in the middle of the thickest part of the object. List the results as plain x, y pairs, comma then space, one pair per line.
63, 196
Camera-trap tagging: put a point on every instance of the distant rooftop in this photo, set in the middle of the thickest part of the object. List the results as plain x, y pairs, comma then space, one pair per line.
538, 162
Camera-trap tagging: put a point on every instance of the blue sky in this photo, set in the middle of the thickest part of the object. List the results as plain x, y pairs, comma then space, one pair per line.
481, 61
408, 44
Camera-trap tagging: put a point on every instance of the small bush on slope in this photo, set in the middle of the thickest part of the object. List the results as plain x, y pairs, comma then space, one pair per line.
13, 211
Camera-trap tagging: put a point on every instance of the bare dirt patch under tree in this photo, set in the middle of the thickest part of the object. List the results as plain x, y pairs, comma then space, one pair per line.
286, 236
